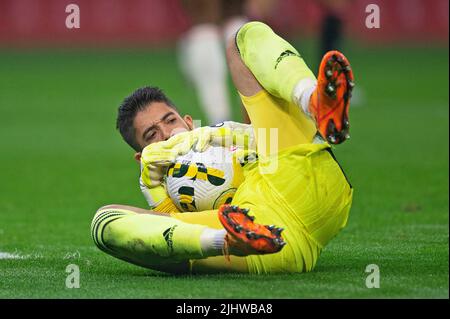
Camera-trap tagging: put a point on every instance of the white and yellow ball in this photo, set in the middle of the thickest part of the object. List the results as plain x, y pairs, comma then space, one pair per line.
204, 181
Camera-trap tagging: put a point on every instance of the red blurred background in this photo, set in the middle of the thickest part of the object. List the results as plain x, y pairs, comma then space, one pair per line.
160, 22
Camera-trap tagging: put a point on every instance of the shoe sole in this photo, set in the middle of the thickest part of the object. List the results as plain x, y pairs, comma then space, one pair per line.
338, 87
264, 239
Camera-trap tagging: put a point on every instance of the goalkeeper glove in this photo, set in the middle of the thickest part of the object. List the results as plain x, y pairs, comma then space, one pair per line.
228, 134
156, 158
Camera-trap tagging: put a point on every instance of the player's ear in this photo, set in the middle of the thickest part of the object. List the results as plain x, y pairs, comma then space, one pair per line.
137, 157
189, 121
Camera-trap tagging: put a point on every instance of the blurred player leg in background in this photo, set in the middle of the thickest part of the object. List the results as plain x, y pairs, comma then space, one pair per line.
332, 34
331, 31
202, 58
202, 47
234, 16
259, 10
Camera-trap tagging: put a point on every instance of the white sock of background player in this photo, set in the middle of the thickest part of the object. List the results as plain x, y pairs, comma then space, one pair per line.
202, 58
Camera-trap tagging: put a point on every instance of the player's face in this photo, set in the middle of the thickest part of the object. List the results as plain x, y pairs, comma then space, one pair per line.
159, 122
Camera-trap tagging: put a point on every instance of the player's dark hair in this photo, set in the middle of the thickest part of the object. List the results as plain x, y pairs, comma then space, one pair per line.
139, 100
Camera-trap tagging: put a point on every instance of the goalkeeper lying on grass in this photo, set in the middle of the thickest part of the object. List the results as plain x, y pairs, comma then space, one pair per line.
307, 195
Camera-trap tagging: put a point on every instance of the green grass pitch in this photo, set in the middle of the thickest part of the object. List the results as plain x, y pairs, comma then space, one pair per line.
61, 159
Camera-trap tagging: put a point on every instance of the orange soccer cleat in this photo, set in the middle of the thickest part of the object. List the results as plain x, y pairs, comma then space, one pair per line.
330, 101
247, 237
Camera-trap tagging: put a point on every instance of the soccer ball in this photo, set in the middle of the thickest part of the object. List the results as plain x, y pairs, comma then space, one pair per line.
204, 181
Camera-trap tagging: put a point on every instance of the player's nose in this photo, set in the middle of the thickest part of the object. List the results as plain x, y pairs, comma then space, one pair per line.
166, 136
176, 131
167, 133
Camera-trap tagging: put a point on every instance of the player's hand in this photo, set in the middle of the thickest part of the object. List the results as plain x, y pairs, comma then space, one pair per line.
150, 182
156, 158
229, 134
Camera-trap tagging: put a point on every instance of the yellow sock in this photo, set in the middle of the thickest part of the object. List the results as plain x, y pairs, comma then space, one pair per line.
148, 240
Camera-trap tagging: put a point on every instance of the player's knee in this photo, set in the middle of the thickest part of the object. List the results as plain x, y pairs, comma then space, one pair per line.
232, 48
103, 216
109, 207
248, 31
102, 211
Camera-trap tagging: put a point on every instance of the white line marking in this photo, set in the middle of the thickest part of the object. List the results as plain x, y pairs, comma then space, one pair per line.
4, 255
17, 255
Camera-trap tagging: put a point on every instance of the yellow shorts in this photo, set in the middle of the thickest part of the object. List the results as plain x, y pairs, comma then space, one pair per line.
307, 193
